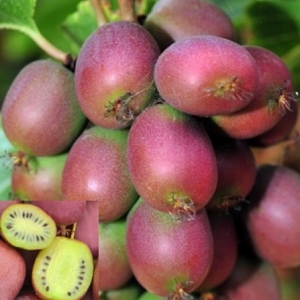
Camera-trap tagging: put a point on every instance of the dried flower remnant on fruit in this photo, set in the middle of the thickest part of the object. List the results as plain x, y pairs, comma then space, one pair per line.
18, 159
208, 296
180, 293
231, 201
119, 109
183, 208
282, 99
229, 89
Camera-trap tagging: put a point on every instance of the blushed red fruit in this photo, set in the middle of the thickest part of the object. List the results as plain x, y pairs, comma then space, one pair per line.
168, 257
171, 160
172, 20
278, 133
251, 281
63, 212
40, 113
39, 179
114, 269
96, 170
273, 217
114, 73
206, 75
87, 227
271, 101
13, 271
225, 250
236, 173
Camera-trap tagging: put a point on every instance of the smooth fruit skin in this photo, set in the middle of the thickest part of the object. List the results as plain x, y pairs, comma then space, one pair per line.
96, 170
206, 75
115, 62
172, 20
171, 160
13, 271
251, 281
114, 269
40, 113
165, 254
41, 180
264, 111
233, 184
273, 216
225, 250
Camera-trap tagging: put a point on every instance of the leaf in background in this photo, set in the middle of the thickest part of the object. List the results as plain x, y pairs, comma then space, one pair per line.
272, 27
79, 25
18, 15
5, 169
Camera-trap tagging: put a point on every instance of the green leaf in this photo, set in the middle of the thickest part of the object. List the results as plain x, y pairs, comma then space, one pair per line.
272, 26
79, 25
18, 15
5, 167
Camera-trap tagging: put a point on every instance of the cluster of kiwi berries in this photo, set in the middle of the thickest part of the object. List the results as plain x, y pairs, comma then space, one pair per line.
164, 125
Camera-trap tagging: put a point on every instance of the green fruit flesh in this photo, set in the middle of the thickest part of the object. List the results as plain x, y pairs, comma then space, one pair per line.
64, 270
27, 226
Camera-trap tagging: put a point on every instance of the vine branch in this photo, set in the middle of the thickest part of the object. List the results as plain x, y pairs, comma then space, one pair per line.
127, 10
97, 6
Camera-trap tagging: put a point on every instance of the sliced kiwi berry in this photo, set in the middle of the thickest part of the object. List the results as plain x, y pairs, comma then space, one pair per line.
64, 270
27, 226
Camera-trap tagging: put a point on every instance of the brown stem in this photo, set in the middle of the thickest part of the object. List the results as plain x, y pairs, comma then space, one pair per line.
97, 6
127, 10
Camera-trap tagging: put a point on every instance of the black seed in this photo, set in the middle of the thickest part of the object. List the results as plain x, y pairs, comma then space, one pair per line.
8, 226
82, 272
12, 216
80, 277
27, 215
42, 238
76, 287
47, 289
46, 264
36, 219
69, 293
45, 224
82, 267
44, 270
23, 214
48, 257
16, 233
37, 238
79, 283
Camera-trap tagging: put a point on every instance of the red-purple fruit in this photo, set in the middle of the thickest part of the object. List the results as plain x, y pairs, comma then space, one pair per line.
171, 160
279, 132
173, 20
96, 170
270, 103
168, 257
13, 271
40, 113
63, 212
251, 281
273, 217
114, 270
87, 227
206, 75
38, 178
236, 173
224, 252
114, 73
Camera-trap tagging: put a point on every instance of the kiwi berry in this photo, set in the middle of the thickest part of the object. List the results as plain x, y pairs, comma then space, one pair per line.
27, 226
64, 270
